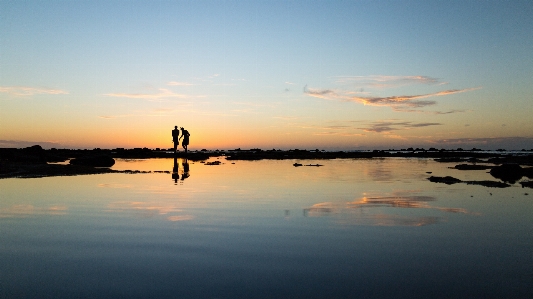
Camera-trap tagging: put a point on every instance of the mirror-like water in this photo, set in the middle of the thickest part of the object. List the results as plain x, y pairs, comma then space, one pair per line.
263, 229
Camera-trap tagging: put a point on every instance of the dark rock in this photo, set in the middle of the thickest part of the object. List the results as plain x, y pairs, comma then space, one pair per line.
492, 184
94, 161
508, 172
34, 149
472, 167
528, 184
450, 159
446, 180
297, 164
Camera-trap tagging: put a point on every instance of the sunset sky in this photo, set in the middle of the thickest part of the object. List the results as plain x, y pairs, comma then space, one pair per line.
334, 75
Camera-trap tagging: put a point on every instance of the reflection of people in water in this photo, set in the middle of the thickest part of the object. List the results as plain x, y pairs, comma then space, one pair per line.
185, 135
185, 170
175, 137
175, 169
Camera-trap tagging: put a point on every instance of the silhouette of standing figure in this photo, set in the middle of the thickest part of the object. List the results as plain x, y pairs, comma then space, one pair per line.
185, 134
175, 137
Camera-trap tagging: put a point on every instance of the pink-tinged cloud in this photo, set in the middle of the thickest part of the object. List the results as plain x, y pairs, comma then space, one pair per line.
388, 126
163, 94
343, 134
397, 103
29, 91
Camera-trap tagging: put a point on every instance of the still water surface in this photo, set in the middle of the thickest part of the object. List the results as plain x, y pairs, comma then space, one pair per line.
370, 228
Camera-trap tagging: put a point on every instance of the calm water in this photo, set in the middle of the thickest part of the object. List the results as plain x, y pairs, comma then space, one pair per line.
265, 229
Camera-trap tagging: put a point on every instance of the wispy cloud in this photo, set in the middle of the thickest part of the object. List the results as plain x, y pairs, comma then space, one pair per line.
162, 94
153, 112
29, 91
336, 130
381, 81
286, 117
388, 126
449, 111
175, 83
437, 112
404, 103
114, 116
336, 133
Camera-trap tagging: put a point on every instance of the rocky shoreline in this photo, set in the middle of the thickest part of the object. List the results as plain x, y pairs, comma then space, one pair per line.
35, 161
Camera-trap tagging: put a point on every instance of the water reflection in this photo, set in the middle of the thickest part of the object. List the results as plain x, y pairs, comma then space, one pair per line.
185, 170
382, 210
170, 210
175, 170
22, 211
142, 236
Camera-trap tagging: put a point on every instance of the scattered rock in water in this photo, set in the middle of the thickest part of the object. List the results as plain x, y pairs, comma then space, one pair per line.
491, 184
213, 163
451, 180
508, 172
472, 167
528, 184
446, 180
297, 164
316, 165
94, 161
450, 159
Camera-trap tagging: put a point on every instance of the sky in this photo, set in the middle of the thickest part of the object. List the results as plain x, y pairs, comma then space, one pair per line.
332, 75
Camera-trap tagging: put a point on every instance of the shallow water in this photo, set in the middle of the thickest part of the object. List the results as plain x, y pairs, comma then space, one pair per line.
372, 228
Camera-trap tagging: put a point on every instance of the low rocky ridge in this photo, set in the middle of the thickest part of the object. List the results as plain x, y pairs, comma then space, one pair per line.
34, 161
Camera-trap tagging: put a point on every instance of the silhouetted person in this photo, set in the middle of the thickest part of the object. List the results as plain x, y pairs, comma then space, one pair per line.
185, 170
185, 135
175, 137
175, 170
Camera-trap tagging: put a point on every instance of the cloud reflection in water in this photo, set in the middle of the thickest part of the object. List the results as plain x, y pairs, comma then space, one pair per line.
148, 210
372, 210
21, 211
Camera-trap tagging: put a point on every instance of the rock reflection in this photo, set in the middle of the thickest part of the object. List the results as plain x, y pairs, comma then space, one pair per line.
370, 210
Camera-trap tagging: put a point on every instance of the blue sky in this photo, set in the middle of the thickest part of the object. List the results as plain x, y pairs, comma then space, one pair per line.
282, 74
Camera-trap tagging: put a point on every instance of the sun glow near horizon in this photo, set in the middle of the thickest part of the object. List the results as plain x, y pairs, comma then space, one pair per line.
107, 74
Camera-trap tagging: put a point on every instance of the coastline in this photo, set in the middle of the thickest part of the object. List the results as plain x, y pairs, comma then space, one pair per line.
32, 162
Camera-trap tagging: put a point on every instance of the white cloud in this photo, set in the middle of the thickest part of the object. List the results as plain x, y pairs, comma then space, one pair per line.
29, 91
162, 94
174, 83
382, 81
